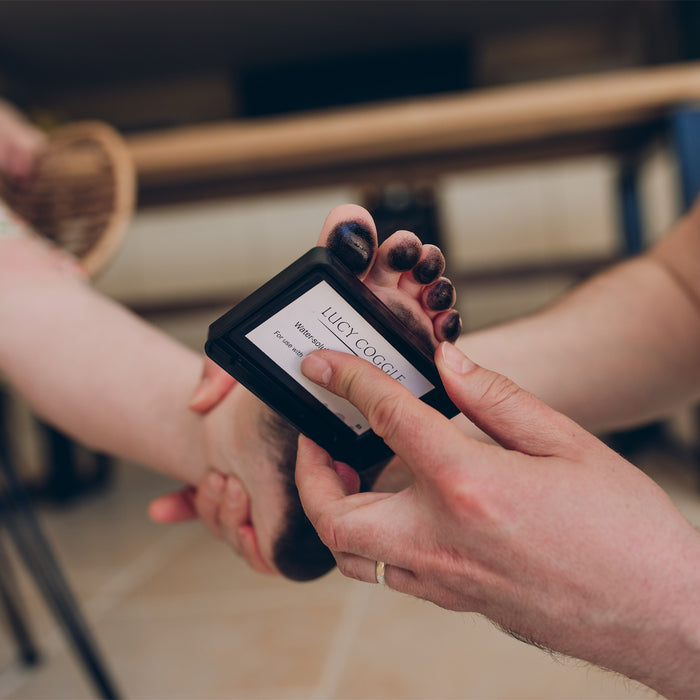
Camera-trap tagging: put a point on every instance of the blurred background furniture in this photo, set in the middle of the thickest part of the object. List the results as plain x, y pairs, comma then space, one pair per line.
19, 522
620, 112
226, 99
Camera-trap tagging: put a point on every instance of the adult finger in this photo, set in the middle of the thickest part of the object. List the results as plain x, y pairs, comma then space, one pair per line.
367, 570
174, 507
233, 522
207, 500
250, 551
27, 142
512, 416
212, 388
319, 487
345, 521
417, 433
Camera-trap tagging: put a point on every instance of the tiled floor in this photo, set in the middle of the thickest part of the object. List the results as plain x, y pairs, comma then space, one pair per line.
178, 616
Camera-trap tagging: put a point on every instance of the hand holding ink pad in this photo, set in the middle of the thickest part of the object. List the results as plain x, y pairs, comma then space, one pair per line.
317, 303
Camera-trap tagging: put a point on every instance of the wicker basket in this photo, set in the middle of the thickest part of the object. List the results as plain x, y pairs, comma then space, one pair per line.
82, 194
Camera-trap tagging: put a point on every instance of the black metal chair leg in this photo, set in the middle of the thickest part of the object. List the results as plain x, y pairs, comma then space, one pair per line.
14, 611
64, 480
32, 546
18, 517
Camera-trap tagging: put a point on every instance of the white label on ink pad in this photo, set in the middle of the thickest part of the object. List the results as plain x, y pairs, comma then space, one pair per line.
320, 318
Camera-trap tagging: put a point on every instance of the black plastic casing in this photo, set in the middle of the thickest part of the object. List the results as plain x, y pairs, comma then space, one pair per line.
228, 347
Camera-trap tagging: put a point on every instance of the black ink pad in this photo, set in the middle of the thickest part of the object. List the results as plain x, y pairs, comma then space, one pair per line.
317, 303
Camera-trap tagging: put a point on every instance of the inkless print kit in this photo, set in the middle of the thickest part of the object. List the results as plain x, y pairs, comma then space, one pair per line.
313, 304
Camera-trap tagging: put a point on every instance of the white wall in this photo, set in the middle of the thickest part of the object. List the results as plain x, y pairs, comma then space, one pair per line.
546, 211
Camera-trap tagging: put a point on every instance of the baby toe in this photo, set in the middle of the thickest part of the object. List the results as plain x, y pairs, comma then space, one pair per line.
396, 255
439, 295
430, 266
447, 326
350, 234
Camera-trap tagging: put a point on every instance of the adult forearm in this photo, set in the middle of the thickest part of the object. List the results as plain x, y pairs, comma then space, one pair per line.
657, 642
619, 350
92, 368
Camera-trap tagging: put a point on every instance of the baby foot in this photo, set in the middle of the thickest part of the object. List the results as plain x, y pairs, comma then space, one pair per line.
246, 438
405, 274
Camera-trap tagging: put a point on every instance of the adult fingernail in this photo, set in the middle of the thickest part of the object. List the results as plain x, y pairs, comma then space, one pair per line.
234, 492
316, 369
456, 360
214, 485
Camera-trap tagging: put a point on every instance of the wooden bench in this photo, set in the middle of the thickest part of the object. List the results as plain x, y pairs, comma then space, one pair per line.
502, 119
616, 112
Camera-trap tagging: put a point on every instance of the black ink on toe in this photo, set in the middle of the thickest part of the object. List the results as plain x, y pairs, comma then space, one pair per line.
441, 295
452, 327
405, 256
354, 244
431, 268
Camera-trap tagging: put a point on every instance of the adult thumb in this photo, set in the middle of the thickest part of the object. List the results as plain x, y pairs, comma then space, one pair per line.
513, 417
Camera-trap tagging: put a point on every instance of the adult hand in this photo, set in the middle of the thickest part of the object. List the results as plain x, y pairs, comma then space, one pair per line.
549, 533
20, 143
220, 501
222, 504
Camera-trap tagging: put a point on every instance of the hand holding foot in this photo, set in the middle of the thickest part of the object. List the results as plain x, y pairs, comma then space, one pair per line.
257, 450
555, 537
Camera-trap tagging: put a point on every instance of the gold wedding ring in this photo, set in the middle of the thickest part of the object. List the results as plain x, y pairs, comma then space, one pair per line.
379, 569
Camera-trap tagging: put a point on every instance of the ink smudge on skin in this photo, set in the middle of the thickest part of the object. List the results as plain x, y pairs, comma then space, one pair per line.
405, 256
441, 295
431, 267
354, 244
408, 318
452, 326
298, 553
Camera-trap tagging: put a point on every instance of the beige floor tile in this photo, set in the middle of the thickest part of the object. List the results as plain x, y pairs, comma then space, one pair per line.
197, 647
208, 570
61, 678
406, 648
105, 544
183, 651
